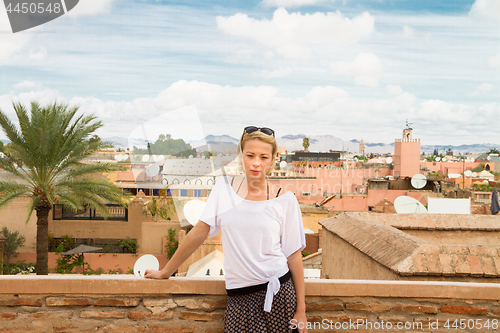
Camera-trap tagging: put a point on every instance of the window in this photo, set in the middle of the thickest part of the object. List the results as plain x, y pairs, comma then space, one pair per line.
197, 193
184, 193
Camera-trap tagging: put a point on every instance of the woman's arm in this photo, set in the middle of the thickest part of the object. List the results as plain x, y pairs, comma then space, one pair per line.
192, 241
297, 270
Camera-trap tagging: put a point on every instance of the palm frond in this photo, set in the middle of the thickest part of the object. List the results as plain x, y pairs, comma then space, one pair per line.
10, 191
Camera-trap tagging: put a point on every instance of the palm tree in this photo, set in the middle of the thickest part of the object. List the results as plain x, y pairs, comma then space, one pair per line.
44, 162
305, 144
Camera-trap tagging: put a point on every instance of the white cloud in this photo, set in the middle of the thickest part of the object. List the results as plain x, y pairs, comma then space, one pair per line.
91, 7
291, 33
392, 89
366, 69
27, 85
282, 72
482, 89
489, 9
321, 110
494, 61
10, 43
39, 54
290, 3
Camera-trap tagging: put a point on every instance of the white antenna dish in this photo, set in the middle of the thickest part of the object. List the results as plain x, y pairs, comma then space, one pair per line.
283, 164
190, 156
486, 181
145, 158
474, 174
2, 155
121, 157
438, 159
408, 205
154, 158
388, 160
147, 261
152, 170
192, 211
468, 173
418, 181
160, 158
444, 159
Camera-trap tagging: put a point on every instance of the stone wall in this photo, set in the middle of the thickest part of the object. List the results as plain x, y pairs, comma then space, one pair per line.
129, 304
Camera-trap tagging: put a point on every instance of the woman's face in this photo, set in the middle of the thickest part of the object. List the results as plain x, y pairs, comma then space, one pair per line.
257, 158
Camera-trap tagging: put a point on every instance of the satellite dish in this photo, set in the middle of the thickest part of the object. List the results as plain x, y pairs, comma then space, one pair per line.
154, 158
438, 159
160, 158
418, 181
474, 174
408, 205
488, 158
388, 160
444, 159
468, 173
152, 170
118, 157
145, 158
486, 181
190, 156
192, 211
283, 164
147, 261
218, 161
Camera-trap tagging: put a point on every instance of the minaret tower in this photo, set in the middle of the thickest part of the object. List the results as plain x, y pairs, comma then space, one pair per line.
406, 154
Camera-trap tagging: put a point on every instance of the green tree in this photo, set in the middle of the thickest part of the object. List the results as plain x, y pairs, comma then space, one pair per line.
361, 158
493, 151
207, 154
13, 241
49, 145
172, 244
306, 144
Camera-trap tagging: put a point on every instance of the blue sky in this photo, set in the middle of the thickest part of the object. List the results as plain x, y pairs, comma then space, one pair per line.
351, 69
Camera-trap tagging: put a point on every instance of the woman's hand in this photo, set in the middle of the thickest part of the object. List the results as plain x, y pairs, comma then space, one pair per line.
300, 322
154, 274
192, 241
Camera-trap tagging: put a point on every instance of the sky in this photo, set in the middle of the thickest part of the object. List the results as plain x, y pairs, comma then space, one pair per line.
354, 69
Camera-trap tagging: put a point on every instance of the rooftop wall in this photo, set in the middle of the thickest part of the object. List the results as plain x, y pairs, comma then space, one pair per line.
361, 245
129, 304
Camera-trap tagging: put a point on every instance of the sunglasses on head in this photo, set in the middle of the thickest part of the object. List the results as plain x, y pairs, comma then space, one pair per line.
265, 130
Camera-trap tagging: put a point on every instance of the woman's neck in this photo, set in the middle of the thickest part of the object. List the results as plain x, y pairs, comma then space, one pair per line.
256, 189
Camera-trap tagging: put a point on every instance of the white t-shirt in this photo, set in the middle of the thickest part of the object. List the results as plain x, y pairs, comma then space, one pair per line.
257, 236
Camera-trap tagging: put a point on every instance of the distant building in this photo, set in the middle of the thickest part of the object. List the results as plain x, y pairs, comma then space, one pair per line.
406, 155
361, 148
316, 157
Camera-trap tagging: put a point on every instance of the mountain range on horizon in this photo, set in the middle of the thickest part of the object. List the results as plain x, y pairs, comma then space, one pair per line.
318, 143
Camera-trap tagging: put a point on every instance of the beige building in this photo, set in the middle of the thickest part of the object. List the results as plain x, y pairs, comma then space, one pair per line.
442, 247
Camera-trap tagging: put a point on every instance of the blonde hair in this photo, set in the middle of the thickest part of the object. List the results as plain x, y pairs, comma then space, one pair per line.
262, 137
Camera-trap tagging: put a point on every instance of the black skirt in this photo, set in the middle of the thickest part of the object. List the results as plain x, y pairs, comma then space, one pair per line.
245, 313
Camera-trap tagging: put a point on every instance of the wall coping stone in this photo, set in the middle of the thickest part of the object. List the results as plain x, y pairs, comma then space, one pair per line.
131, 285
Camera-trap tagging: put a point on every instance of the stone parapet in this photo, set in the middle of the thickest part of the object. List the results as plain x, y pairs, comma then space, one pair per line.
129, 304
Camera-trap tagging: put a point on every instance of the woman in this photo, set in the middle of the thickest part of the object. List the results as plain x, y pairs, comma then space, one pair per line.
262, 238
